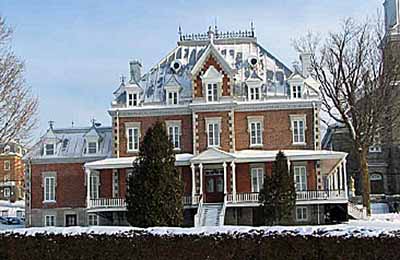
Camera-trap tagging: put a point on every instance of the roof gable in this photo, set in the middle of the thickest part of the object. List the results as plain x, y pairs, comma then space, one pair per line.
211, 50
212, 155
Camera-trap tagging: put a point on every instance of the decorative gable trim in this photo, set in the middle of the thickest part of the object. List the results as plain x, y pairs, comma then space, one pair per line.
211, 50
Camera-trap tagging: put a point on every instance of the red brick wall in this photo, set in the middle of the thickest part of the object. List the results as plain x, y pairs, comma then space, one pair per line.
106, 183
198, 86
70, 189
311, 176
243, 180
186, 172
147, 122
16, 172
122, 182
203, 142
277, 134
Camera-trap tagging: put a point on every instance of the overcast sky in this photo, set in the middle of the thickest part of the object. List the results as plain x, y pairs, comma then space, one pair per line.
76, 50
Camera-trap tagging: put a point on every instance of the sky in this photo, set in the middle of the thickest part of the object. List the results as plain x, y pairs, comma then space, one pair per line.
75, 51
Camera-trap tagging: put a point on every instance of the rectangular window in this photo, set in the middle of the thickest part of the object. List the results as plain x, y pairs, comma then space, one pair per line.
50, 221
255, 93
296, 91
93, 220
172, 98
49, 149
300, 178
133, 139
94, 186
212, 92
257, 179
255, 133
298, 129
92, 147
7, 192
49, 189
132, 99
7, 165
174, 136
213, 135
4, 213
301, 213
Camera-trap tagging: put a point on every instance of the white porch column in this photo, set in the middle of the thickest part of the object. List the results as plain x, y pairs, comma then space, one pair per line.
201, 178
225, 186
87, 171
345, 177
335, 183
233, 166
288, 165
340, 185
193, 182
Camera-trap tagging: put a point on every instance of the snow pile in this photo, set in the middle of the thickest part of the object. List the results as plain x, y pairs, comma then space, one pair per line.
367, 228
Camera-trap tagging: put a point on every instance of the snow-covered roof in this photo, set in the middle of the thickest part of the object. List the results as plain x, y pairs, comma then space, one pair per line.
70, 143
234, 51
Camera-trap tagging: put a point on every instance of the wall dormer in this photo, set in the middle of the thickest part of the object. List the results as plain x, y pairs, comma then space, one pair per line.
50, 142
296, 86
254, 83
212, 84
172, 90
132, 92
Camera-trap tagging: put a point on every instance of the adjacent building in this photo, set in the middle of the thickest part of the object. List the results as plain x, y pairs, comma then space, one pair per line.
11, 171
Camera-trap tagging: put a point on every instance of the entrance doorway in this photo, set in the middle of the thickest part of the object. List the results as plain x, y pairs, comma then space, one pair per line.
214, 184
70, 220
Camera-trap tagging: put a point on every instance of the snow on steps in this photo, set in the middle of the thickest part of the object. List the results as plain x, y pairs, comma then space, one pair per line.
355, 211
211, 214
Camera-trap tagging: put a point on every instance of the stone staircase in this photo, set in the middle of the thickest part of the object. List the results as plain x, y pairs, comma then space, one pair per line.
211, 214
356, 211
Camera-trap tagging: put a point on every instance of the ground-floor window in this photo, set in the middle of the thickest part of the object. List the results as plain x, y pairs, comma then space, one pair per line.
93, 220
4, 213
257, 179
49, 221
301, 214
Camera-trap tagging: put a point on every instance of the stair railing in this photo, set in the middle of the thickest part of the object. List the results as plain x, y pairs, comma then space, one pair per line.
223, 209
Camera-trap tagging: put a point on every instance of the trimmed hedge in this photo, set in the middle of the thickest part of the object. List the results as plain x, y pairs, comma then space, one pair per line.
141, 245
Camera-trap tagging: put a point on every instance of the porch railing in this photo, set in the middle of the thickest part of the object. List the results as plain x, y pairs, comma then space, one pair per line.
107, 203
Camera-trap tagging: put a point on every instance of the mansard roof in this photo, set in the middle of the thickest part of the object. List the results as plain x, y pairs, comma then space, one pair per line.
70, 144
233, 49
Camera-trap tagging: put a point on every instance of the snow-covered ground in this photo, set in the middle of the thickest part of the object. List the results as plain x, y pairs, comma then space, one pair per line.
383, 224
12, 209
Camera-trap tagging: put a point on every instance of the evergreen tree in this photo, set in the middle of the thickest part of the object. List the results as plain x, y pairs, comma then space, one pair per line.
278, 195
155, 189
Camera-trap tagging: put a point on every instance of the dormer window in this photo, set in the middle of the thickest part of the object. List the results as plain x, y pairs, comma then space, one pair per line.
49, 149
254, 93
296, 91
212, 92
132, 99
172, 98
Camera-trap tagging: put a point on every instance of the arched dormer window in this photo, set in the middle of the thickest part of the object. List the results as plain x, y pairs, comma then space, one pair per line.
212, 84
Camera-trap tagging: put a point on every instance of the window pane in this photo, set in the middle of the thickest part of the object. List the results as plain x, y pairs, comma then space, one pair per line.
216, 130
215, 92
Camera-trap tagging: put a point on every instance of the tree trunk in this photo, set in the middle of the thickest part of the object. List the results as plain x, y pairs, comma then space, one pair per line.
366, 187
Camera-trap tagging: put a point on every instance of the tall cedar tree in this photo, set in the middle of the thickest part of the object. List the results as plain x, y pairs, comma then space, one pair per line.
155, 189
278, 195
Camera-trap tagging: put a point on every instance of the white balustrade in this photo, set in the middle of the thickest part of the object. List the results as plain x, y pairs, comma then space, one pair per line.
107, 203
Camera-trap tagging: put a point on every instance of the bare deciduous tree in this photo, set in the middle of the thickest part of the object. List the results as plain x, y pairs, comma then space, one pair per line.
357, 84
18, 108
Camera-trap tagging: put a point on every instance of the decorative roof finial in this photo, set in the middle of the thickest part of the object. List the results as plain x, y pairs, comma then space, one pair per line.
180, 32
51, 124
252, 28
93, 121
210, 34
215, 26
122, 79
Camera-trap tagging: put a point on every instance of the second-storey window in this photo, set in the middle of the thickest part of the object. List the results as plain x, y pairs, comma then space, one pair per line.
7, 165
174, 136
254, 93
172, 98
7, 192
94, 186
49, 189
257, 179
300, 178
212, 92
133, 139
298, 131
213, 134
255, 133
132, 99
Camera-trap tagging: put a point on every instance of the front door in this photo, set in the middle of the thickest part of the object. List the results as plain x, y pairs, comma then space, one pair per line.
214, 184
70, 220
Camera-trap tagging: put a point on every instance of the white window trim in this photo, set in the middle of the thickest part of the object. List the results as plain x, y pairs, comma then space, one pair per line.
255, 119
213, 120
212, 76
301, 218
45, 189
7, 192
172, 89
175, 123
128, 99
129, 126
298, 118
256, 171
259, 93
50, 216
94, 185
7, 165
93, 215
299, 168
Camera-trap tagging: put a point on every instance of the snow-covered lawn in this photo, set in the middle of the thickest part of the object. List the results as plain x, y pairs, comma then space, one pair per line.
384, 224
